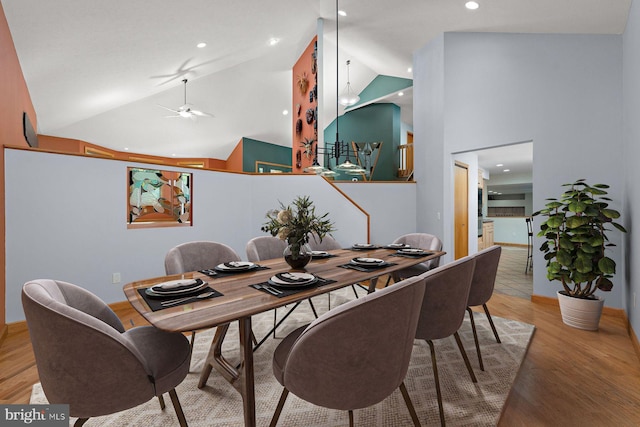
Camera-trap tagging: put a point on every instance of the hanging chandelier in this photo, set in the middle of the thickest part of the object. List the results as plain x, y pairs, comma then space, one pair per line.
337, 148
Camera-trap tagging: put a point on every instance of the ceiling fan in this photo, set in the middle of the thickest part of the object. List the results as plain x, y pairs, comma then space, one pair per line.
186, 110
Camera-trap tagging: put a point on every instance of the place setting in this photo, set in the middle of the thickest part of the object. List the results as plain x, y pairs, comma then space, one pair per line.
366, 264
290, 282
232, 267
364, 246
413, 252
177, 292
321, 255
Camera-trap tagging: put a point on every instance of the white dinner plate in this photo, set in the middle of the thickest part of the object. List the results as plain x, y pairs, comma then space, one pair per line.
319, 254
397, 246
235, 266
363, 246
295, 279
412, 251
176, 287
367, 261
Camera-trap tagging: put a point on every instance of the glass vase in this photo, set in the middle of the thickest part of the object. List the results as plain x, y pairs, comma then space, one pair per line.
297, 255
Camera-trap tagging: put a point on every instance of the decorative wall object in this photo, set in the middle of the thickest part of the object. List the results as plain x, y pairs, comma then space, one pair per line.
305, 104
303, 83
158, 198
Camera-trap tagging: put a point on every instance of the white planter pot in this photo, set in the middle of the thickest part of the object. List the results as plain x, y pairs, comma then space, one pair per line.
579, 312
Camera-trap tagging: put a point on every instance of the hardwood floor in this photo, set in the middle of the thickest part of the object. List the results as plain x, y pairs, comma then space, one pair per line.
569, 377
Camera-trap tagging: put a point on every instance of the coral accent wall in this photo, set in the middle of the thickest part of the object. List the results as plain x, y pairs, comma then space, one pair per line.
234, 161
304, 67
14, 100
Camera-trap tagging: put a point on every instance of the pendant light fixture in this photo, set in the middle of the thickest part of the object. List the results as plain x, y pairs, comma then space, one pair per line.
347, 165
338, 148
348, 98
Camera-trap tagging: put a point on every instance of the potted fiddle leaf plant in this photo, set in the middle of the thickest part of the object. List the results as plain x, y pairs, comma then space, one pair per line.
575, 249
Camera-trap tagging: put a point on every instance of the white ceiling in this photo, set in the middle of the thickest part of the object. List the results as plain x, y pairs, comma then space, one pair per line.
96, 70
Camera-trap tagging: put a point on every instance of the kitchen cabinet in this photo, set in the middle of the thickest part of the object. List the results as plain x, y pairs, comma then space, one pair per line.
486, 240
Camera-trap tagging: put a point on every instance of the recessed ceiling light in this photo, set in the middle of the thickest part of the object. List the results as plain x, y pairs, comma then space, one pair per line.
173, 154
342, 13
274, 41
506, 170
409, 70
400, 93
472, 5
126, 148
499, 165
201, 45
285, 112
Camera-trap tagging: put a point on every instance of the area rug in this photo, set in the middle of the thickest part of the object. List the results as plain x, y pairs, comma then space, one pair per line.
465, 403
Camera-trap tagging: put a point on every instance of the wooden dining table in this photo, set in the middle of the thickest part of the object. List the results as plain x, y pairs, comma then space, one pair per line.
239, 301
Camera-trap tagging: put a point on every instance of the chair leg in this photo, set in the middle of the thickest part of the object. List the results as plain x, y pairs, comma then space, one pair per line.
407, 401
350, 418
437, 381
493, 327
354, 290
80, 422
475, 338
193, 340
313, 308
276, 414
178, 408
464, 356
161, 400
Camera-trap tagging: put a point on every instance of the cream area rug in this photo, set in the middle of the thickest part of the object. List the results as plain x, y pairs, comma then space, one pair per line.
465, 403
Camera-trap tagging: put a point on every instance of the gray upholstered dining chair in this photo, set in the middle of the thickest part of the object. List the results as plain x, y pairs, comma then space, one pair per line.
424, 241
482, 284
199, 255
265, 247
443, 309
353, 357
87, 360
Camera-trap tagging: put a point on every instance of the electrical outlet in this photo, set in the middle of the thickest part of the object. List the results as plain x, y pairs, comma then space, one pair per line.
115, 278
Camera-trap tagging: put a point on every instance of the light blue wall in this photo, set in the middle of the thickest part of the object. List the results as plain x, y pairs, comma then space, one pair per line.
66, 218
564, 92
631, 135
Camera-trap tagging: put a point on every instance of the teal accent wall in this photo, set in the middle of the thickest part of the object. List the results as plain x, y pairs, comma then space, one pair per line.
254, 150
373, 123
379, 87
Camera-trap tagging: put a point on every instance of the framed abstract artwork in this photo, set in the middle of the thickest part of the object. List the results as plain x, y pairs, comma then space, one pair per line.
158, 198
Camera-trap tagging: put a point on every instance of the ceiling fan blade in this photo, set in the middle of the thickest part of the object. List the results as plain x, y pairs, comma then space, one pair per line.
167, 108
202, 113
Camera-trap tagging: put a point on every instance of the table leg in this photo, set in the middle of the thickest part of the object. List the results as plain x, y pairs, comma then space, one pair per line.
246, 376
372, 284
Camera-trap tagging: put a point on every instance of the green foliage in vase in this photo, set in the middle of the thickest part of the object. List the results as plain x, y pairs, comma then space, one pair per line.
576, 239
297, 222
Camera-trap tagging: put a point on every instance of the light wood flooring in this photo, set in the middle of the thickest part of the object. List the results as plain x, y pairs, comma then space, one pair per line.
568, 378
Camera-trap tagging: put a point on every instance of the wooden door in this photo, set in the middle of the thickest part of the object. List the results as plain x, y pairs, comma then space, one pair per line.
461, 210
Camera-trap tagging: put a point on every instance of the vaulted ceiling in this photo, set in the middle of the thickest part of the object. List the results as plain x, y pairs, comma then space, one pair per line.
98, 70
